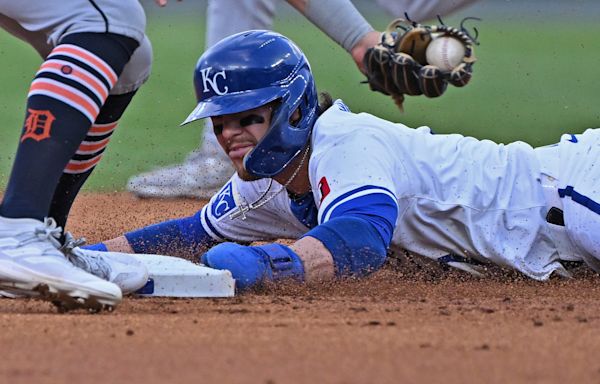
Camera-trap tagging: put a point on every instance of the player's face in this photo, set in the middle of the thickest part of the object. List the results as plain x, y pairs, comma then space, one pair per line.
239, 133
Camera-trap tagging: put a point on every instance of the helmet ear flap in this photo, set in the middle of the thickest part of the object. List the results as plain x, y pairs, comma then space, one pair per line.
280, 118
262, 156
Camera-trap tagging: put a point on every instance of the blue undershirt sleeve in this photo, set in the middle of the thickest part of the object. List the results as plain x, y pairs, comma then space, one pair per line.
179, 237
358, 233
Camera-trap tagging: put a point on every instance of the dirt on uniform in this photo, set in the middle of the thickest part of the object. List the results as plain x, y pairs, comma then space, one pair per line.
405, 324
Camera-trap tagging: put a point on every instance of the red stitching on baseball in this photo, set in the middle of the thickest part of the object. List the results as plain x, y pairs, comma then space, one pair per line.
445, 53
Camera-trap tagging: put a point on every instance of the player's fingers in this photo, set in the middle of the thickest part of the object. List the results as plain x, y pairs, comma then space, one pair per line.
161, 3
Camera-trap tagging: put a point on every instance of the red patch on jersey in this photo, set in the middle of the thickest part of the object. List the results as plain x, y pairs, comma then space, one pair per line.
37, 125
324, 188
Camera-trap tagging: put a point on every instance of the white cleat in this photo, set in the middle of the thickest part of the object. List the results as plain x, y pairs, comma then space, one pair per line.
200, 176
122, 269
31, 265
471, 266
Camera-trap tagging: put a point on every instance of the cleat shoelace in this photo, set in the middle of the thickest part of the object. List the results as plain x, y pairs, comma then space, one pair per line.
48, 233
90, 262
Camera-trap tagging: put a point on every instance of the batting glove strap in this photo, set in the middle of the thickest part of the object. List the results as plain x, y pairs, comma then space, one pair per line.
283, 262
250, 266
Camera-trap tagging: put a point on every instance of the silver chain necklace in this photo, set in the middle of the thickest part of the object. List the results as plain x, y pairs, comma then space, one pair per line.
240, 212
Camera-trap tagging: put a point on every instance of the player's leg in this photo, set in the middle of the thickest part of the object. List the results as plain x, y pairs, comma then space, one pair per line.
259, 15
207, 168
64, 99
87, 156
579, 191
125, 271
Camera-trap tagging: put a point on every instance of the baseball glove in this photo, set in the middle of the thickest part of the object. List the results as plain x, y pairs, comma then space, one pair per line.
398, 66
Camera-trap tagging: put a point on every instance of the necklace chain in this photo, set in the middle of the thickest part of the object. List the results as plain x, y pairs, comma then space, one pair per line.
264, 199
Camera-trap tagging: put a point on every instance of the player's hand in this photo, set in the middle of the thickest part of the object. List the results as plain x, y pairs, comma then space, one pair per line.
247, 266
414, 59
250, 266
357, 52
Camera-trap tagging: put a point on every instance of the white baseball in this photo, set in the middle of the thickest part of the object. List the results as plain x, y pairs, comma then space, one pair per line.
445, 52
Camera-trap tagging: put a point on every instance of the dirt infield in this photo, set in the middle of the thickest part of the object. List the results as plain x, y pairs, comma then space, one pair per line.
403, 325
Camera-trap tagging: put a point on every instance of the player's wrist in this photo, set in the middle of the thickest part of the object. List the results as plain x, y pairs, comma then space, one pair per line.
251, 265
281, 262
358, 51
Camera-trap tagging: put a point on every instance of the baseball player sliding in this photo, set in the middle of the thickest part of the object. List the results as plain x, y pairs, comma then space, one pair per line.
348, 186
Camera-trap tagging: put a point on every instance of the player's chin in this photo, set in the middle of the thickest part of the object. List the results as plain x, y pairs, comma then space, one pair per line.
245, 175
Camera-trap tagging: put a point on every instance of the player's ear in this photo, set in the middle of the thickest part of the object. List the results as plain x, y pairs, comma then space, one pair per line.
325, 102
295, 117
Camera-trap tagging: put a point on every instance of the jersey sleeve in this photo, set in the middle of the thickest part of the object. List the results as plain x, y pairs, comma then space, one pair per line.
354, 174
227, 216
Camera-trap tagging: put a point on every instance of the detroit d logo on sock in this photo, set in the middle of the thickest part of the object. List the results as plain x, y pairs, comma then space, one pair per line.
37, 125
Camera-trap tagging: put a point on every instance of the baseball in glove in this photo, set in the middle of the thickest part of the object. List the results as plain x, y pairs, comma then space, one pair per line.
414, 59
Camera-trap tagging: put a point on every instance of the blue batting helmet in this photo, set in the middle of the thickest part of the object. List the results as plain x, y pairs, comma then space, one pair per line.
251, 69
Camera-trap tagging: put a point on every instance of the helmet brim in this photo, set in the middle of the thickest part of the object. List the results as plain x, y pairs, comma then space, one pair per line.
234, 103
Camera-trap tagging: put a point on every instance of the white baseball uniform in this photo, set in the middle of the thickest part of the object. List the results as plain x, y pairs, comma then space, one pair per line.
455, 194
43, 23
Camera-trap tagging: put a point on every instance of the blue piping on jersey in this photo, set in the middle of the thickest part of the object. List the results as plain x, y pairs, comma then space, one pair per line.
579, 198
379, 209
210, 226
350, 193
341, 106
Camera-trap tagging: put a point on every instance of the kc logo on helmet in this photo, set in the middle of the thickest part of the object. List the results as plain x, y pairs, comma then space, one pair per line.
207, 81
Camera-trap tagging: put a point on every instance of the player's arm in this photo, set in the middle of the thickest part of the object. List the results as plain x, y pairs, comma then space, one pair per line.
184, 237
343, 23
352, 242
340, 20
214, 223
